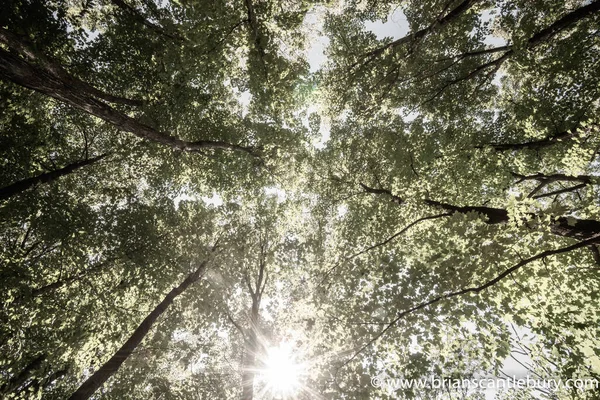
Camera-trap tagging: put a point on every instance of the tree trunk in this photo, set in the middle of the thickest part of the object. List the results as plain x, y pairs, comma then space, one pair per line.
17, 70
21, 46
22, 377
252, 346
20, 186
111, 366
250, 349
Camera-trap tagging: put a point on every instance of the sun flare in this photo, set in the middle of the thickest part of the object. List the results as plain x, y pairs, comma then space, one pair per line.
282, 372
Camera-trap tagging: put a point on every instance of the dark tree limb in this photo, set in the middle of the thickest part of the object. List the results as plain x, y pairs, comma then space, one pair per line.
137, 16
253, 22
540, 37
537, 144
419, 35
553, 178
236, 325
372, 190
580, 229
18, 380
98, 378
545, 180
595, 253
494, 215
251, 347
563, 23
21, 186
560, 191
26, 50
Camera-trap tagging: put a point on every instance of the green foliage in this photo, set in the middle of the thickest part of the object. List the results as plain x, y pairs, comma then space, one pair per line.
384, 251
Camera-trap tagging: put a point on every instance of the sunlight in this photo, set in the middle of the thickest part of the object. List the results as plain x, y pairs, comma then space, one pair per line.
282, 372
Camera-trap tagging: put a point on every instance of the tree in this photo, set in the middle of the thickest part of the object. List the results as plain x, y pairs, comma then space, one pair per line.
94, 382
170, 230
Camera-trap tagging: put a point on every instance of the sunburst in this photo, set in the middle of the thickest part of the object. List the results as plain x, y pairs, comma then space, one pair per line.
282, 372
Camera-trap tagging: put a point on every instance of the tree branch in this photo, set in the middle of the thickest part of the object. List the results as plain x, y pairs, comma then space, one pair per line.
383, 243
562, 226
537, 144
473, 289
21, 186
537, 39
419, 35
141, 19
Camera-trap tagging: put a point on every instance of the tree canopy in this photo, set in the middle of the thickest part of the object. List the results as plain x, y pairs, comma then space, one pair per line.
191, 208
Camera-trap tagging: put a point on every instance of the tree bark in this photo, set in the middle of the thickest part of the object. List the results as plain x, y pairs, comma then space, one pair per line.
255, 34
250, 350
252, 345
19, 71
564, 22
21, 186
537, 39
420, 34
587, 179
25, 49
535, 144
94, 382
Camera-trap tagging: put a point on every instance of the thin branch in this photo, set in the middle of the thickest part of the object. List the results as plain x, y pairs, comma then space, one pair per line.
474, 289
136, 14
565, 190
237, 326
417, 36
383, 243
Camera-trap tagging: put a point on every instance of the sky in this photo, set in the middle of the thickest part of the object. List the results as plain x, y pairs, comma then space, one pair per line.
395, 27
